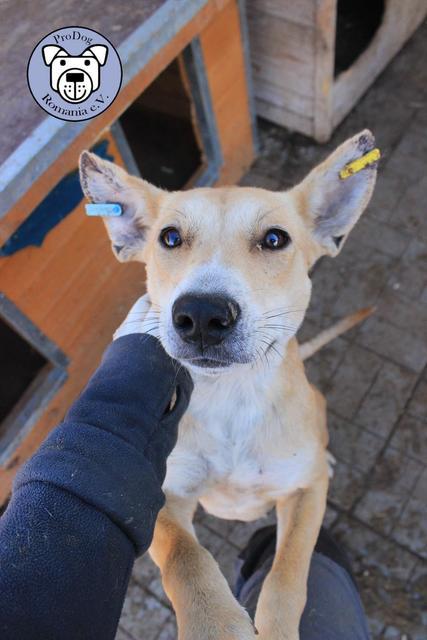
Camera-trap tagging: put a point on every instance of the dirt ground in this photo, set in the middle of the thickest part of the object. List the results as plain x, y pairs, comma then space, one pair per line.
375, 377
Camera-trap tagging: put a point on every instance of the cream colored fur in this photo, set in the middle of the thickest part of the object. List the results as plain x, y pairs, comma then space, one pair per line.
254, 435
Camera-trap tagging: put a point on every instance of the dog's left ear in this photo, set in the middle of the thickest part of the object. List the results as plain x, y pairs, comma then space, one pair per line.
105, 182
332, 204
100, 51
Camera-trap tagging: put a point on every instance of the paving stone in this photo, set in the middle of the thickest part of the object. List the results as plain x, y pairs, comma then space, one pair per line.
393, 343
409, 214
227, 559
418, 404
122, 635
370, 550
411, 529
143, 616
384, 402
219, 526
418, 586
410, 437
242, 531
146, 573
257, 179
321, 367
411, 169
411, 272
331, 516
352, 380
394, 308
393, 479
346, 486
328, 282
379, 236
209, 539
352, 444
169, 630
383, 200
382, 570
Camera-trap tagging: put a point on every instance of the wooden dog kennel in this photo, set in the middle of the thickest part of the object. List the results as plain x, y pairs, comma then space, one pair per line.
313, 59
62, 293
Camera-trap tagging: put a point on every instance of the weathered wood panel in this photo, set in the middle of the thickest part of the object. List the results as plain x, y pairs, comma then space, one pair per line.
293, 55
400, 21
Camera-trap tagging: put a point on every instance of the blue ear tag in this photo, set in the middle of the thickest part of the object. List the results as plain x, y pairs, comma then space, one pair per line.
103, 209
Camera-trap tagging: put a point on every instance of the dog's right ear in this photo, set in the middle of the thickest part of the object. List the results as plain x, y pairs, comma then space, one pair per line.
50, 52
105, 182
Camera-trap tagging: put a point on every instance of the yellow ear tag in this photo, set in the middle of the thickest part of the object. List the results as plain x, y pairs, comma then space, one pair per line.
359, 164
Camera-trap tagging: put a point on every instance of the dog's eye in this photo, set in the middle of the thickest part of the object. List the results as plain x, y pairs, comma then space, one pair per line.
87, 62
275, 239
62, 63
170, 238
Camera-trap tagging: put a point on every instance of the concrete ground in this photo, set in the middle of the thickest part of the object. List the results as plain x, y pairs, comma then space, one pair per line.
375, 377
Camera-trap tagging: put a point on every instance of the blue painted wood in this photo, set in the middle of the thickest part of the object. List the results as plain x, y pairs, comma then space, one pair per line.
202, 100
58, 204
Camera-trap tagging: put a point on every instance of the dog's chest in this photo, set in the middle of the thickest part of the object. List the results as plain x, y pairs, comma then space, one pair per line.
226, 456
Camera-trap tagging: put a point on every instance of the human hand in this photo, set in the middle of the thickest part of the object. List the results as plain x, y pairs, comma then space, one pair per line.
141, 319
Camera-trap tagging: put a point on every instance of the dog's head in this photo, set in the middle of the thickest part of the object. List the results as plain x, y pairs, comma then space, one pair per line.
74, 77
227, 268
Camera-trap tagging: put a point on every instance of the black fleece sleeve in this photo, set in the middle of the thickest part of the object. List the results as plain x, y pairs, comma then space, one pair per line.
86, 503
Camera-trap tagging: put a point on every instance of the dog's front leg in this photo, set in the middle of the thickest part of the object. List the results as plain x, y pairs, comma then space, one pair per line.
283, 595
204, 605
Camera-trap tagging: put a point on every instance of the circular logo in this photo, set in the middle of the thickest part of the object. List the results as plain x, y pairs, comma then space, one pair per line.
74, 73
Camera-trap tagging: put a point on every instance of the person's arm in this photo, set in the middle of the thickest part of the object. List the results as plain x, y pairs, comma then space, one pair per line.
85, 505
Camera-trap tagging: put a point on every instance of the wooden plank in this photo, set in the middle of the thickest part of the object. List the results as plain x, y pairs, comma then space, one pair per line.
24, 264
323, 60
294, 121
36, 270
400, 21
221, 44
285, 97
283, 54
300, 12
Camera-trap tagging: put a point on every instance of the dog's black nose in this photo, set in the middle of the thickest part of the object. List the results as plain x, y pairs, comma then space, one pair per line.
74, 77
204, 319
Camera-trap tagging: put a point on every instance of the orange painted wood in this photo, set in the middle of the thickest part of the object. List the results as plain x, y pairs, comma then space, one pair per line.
223, 55
77, 293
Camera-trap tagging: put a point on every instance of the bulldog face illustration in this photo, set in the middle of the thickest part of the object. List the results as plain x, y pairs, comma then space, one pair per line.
75, 77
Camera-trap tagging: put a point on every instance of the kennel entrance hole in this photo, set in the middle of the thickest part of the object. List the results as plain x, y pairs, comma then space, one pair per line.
160, 131
357, 24
20, 364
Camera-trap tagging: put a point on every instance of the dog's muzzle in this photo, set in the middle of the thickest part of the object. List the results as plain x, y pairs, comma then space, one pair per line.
75, 85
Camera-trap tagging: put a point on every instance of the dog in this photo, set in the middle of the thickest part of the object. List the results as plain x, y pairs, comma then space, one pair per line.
228, 276
75, 78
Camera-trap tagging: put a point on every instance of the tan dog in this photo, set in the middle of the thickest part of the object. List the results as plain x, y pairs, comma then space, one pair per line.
227, 274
